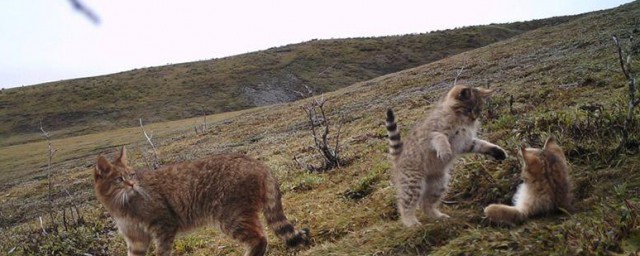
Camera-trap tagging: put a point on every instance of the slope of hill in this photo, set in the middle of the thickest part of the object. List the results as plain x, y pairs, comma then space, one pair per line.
281, 74
560, 80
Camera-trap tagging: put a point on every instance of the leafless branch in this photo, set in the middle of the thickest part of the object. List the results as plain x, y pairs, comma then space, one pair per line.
317, 117
80, 7
625, 65
146, 159
44, 231
302, 165
79, 219
327, 69
336, 148
64, 219
51, 151
455, 80
156, 162
204, 125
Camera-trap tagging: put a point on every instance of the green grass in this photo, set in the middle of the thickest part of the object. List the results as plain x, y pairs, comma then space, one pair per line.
550, 73
29, 159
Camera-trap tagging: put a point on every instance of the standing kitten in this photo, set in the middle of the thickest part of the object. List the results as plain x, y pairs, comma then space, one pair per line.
546, 186
423, 162
227, 191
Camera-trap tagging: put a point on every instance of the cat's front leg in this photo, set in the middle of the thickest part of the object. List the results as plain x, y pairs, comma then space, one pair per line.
441, 145
164, 243
487, 148
137, 239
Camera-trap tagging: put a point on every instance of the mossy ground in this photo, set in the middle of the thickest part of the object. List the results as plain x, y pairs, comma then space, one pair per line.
550, 74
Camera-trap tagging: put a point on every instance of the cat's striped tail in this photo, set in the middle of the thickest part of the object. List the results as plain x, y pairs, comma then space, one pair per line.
276, 219
395, 144
504, 214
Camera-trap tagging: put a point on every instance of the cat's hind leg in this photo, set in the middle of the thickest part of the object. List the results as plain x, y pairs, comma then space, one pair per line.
247, 229
408, 189
435, 186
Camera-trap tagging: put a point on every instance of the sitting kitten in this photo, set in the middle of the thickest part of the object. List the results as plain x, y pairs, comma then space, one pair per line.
546, 186
227, 191
422, 163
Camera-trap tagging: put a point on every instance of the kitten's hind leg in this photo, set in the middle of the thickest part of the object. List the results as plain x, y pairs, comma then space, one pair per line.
434, 188
247, 229
487, 148
408, 195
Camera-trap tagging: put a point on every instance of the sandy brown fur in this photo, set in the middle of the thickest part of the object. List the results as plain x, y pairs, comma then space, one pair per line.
546, 186
422, 162
227, 191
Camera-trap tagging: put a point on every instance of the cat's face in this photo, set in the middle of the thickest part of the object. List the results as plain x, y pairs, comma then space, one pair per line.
537, 162
116, 181
467, 101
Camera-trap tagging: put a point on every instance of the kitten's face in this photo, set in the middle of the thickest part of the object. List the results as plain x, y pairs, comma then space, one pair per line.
116, 181
537, 162
467, 101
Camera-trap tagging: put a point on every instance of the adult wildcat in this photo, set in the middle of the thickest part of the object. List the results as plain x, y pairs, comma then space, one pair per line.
227, 191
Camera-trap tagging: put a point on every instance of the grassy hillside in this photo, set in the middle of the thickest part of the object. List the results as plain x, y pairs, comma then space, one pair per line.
281, 74
547, 80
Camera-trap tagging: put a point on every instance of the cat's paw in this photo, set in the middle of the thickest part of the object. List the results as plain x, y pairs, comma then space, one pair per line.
411, 222
444, 154
437, 214
442, 216
498, 153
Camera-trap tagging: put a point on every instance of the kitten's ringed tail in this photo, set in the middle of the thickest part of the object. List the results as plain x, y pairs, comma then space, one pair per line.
395, 144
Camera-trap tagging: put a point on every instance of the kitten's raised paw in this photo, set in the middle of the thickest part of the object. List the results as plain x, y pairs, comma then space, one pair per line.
444, 154
498, 153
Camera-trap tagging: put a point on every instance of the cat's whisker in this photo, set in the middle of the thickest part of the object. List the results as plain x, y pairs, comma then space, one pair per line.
142, 192
116, 197
124, 198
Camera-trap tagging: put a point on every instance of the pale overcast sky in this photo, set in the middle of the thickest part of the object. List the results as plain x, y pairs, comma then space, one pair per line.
47, 40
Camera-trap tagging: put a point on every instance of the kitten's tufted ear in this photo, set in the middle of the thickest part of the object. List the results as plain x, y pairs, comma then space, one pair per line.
552, 145
464, 94
523, 148
103, 167
525, 154
484, 92
122, 159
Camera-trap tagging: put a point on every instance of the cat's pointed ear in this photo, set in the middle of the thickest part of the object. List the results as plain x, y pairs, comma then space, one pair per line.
526, 155
485, 92
464, 94
122, 159
552, 145
103, 167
